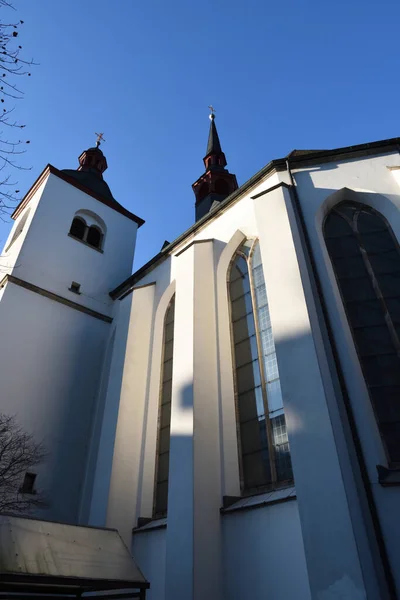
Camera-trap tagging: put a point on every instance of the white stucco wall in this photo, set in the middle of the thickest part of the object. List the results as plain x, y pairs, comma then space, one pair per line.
90, 492
97, 413
106, 420
202, 368
150, 424
50, 363
263, 554
127, 457
149, 550
135, 496
333, 547
367, 180
179, 555
46, 256
52, 355
9, 252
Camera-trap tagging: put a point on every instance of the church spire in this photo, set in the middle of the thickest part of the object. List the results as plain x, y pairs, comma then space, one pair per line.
214, 145
216, 183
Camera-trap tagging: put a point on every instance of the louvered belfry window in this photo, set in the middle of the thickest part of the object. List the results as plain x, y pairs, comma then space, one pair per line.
366, 259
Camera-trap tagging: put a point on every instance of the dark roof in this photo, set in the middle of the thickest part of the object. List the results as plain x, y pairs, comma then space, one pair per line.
97, 149
92, 181
97, 188
213, 146
70, 177
297, 158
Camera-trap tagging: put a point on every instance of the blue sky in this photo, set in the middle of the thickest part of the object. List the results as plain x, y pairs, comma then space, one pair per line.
281, 75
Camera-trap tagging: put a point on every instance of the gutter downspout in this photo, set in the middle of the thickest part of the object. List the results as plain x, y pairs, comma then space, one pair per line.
387, 570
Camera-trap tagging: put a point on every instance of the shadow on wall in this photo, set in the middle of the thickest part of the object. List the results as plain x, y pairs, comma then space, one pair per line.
258, 547
313, 448
70, 430
256, 544
162, 551
96, 428
165, 291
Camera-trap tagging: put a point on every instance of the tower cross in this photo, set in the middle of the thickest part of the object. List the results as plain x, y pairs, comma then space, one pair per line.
99, 139
212, 109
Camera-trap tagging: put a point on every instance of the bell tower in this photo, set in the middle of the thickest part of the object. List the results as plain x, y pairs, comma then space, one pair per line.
216, 183
71, 244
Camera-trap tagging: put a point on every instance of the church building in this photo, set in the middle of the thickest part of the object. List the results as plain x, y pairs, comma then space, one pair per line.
233, 407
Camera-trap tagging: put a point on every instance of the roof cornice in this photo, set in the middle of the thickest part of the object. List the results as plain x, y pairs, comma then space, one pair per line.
127, 285
357, 151
280, 164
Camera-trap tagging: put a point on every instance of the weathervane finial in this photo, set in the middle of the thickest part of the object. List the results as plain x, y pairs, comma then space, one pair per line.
99, 139
212, 114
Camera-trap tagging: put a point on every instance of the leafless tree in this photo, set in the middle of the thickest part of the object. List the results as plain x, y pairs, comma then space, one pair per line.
19, 454
13, 67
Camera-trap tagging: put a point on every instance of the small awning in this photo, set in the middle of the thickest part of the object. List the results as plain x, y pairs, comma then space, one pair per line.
54, 560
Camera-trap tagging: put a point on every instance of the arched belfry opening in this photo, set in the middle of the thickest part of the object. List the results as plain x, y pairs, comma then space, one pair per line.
89, 228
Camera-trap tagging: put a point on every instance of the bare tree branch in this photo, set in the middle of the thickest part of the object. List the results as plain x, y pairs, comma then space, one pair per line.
20, 453
12, 66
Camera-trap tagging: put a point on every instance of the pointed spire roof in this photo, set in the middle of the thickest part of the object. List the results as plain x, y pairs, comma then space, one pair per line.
214, 145
216, 183
214, 158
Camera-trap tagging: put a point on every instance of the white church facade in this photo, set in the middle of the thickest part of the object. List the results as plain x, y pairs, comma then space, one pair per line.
233, 407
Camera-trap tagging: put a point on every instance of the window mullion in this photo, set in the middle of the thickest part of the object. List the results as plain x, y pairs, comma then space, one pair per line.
271, 447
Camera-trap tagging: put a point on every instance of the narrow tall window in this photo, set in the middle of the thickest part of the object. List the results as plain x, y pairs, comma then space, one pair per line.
263, 442
366, 259
162, 466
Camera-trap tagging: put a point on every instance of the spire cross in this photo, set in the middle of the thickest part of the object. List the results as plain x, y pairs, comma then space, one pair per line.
212, 115
99, 139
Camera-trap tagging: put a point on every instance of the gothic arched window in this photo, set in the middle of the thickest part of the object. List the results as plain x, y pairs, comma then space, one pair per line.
366, 259
164, 417
263, 443
78, 228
